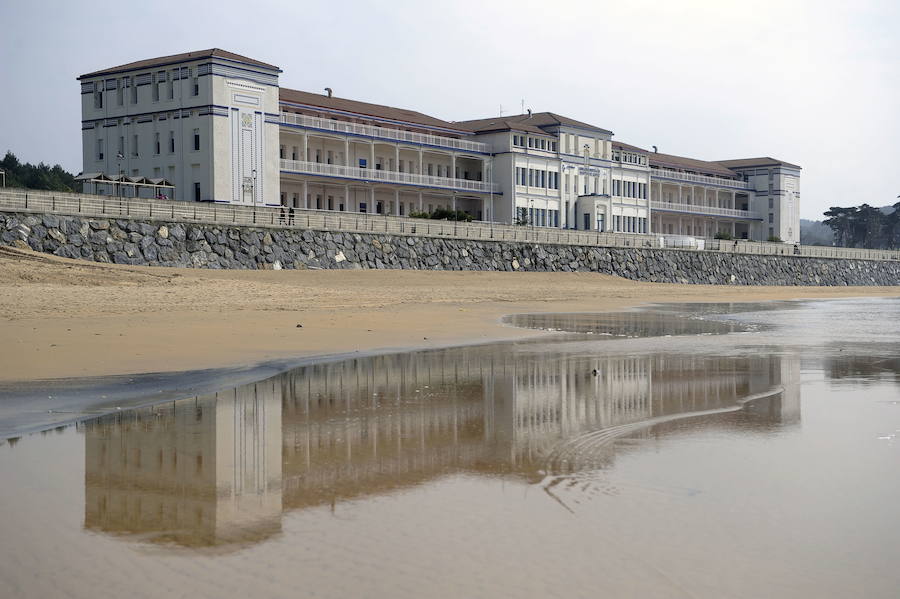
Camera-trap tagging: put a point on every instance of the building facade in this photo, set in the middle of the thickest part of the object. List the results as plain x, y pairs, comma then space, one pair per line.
217, 127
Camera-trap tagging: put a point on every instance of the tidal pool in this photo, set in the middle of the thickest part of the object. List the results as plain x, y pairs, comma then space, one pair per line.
753, 455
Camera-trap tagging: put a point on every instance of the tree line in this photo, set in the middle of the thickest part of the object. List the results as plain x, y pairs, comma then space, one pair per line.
865, 226
36, 176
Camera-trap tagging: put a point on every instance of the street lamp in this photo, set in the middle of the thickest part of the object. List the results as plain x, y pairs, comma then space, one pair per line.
119, 158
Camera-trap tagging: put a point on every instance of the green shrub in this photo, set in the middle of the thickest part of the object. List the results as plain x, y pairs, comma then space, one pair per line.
725, 236
774, 238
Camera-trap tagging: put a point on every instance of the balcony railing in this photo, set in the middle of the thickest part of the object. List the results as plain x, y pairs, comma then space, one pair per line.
664, 173
700, 209
368, 174
439, 141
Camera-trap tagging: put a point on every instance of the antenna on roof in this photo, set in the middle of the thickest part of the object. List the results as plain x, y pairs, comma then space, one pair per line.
654, 149
523, 104
501, 110
328, 91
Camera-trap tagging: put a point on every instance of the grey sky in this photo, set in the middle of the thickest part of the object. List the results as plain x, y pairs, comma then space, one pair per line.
815, 83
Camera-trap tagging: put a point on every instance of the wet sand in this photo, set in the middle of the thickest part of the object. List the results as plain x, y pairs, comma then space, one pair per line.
743, 465
62, 318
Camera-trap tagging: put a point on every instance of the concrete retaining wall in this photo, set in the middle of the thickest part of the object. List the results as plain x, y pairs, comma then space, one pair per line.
214, 246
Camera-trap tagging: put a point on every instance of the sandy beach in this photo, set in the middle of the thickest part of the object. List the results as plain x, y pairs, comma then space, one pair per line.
62, 318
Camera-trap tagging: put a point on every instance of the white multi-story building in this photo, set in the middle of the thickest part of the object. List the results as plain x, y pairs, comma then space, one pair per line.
218, 127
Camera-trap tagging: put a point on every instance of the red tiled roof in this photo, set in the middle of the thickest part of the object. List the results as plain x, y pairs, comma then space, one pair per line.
550, 119
366, 109
624, 146
751, 162
683, 163
501, 124
175, 58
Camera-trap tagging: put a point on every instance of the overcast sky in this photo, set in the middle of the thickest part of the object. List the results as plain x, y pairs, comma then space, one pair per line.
814, 83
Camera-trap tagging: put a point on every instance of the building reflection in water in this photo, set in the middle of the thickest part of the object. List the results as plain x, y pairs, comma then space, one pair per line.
219, 469
201, 471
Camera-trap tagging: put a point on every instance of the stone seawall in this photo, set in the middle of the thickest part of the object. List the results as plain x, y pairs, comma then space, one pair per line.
215, 246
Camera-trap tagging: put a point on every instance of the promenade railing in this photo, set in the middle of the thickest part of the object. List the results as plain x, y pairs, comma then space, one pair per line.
98, 206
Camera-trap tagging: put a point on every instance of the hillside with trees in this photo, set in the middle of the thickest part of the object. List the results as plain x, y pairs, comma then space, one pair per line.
36, 176
865, 226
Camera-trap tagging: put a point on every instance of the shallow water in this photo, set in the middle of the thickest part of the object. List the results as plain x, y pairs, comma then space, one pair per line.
757, 459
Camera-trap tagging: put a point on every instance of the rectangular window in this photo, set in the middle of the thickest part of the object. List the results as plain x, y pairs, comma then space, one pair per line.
362, 207
134, 146
771, 203
281, 152
196, 140
771, 218
171, 142
121, 147
156, 83
134, 90
98, 95
172, 86
294, 152
196, 192
196, 87
587, 221
120, 92
331, 202
99, 149
530, 142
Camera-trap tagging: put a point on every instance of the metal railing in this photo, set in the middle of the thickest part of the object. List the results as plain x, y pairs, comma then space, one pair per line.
664, 173
371, 174
312, 122
706, 210
93, 206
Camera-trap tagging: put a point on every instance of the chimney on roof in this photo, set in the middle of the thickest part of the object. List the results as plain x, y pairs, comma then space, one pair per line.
529, 113
328, 91
654, 149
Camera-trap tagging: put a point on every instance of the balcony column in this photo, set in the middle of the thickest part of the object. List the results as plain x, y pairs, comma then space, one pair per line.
347, 205
304, 156
396, 210
374, 207
453, 202
305, 191
421, 169
733, 230
397, 158
452, 165
372, 156
680, 199
733, 205
346, 151
420, 198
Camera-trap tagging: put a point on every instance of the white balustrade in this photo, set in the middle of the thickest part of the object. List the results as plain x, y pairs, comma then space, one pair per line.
705, 210
663, 173
369, 174
313, 122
